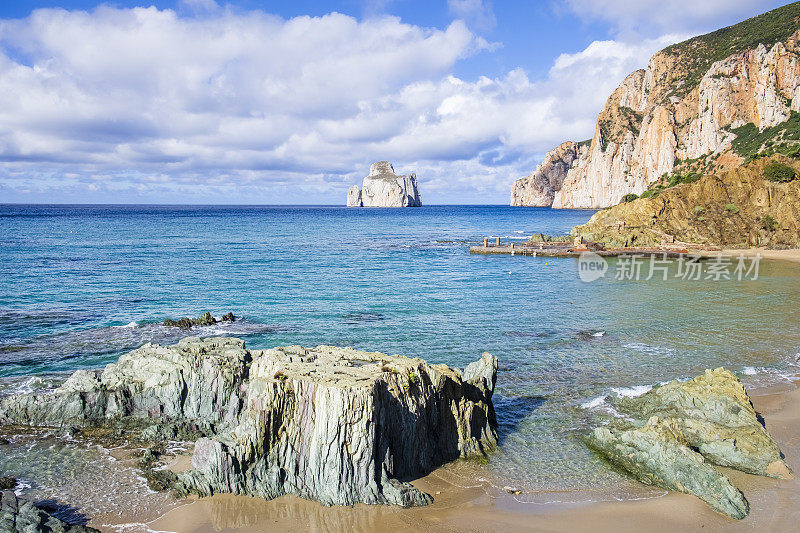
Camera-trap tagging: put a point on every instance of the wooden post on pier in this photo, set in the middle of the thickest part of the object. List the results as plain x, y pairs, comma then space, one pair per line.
498, 241
485, 242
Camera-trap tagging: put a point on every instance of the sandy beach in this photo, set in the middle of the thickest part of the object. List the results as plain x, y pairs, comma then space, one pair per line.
791, 255
775, 505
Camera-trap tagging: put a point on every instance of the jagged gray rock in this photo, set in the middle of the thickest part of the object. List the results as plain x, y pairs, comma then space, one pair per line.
709, 417
717, 418
336, 425
658, 454
384, 188
21, 516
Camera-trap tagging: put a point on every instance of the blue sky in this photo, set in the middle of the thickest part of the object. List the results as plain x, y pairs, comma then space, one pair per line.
197, 101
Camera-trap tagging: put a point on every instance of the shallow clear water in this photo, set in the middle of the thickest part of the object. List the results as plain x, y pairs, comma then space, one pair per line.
81, 285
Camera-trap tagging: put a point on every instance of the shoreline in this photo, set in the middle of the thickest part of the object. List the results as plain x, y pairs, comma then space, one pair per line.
775, 504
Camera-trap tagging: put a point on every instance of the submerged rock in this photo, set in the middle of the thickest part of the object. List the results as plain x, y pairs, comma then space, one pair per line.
21, 516
7, 482
658, 454
206, 319
335, 425
717, 417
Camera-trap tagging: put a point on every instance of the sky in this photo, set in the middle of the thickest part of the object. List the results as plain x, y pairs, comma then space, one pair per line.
288, 102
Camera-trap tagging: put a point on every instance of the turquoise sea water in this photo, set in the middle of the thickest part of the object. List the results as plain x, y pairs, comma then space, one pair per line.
79, 285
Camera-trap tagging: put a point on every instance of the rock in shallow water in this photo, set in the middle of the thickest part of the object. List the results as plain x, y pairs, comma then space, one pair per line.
658, 454
715, 414
708, 418
21, 516
335, 425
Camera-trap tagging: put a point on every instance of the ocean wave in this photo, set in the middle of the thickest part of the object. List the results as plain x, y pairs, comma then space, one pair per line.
632, 392
132, 324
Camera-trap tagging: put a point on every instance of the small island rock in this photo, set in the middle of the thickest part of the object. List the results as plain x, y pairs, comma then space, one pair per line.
384, 188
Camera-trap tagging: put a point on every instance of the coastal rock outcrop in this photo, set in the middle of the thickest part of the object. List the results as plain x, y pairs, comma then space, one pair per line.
335, 425
383, 188
206, 319
689, 425
717, 418
658, 454
539, 188
22, 516
694, 99
737, 208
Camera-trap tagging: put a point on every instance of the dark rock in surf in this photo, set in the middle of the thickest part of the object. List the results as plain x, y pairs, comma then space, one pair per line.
206, 319
21, 516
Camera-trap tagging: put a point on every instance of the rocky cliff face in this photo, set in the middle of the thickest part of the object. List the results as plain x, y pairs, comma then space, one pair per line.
330, 424
737, 208
384, 188
540, 188
683, 106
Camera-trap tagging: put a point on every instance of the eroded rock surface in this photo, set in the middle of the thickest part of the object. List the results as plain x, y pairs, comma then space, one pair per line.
658, 454
336, 425
684, 105
691, 424
717, 418
384, 188
22, 516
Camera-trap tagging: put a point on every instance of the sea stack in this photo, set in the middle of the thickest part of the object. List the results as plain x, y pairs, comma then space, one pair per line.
384, 188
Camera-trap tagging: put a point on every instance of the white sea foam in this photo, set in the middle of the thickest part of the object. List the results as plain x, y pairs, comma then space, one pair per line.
29, 386
128, 325
594, 402
599, 334
632, 392
751, 371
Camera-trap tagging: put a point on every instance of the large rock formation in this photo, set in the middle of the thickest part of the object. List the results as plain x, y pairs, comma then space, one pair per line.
331, 424
384, 188
658, 454
737, 208
708, 418
717, 418
685, 105
22, 516
539, 188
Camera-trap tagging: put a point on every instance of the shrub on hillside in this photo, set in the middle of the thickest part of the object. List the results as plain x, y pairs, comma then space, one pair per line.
769, 223
779, 172
630, 197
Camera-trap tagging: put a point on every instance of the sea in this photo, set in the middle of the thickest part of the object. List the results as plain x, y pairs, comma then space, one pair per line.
82, 284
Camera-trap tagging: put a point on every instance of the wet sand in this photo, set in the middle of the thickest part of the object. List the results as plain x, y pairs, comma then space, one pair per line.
775, 504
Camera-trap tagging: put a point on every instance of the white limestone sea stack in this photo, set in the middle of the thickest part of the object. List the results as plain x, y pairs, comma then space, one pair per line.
384, 188
335, 425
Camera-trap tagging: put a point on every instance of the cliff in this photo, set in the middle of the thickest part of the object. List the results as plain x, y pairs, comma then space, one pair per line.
384, 188
736, 208
335, 425
540, 187
694, 99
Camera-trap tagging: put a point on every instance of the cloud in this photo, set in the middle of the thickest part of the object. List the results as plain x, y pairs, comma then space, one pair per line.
146, 105
478, 13
660, 16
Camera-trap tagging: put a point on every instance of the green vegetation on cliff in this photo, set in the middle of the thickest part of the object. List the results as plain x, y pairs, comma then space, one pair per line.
699, 53
784, 138
742, 207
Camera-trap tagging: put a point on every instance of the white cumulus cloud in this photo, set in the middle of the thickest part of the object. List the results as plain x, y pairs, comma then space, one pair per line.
148, 105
